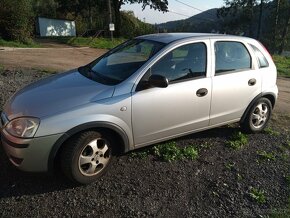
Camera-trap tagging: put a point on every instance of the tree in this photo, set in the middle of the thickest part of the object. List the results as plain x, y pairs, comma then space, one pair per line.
239, 15
131, 26
15, 19
45, 8
160, 5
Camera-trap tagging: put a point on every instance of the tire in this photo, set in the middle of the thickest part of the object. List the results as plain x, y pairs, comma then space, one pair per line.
87, 156
258, 116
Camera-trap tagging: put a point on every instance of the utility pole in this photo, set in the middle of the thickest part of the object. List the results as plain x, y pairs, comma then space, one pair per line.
110, 19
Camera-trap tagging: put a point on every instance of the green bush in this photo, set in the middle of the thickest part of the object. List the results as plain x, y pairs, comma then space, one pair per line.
282, 64
15, 20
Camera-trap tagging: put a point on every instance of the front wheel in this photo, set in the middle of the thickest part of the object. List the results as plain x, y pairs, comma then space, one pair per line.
258, 116
87, 156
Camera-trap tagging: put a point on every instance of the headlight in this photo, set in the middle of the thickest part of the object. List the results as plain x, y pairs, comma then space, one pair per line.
24, 127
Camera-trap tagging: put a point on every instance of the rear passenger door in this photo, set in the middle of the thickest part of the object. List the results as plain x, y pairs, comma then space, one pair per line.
236, 82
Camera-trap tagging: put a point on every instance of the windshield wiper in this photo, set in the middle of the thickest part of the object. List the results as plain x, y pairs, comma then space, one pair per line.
105, 79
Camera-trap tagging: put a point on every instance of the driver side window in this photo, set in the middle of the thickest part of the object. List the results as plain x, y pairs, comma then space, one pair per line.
182, 63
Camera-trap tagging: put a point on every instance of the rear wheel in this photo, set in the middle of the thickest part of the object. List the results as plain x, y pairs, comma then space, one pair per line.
87, 156
258, 116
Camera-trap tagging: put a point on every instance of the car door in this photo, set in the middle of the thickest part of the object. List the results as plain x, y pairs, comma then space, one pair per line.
236, 81
183, 106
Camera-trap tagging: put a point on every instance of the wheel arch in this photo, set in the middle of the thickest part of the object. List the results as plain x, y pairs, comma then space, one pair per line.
269, 95
104, 126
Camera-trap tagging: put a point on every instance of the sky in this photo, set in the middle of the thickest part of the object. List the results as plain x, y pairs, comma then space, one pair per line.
151, 16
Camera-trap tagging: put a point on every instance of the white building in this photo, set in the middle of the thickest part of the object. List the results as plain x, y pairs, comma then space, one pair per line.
55, 27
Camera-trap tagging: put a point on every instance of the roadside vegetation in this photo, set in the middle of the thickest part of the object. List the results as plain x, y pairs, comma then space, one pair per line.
102, 43
17, 44
282, 64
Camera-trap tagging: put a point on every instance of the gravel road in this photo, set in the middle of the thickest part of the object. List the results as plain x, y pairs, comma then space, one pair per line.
217, 184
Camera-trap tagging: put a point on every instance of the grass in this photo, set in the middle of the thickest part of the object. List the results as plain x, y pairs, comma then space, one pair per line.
271, 132
140, 154
103, 43
230, 166
238, 140
257, 195
168, 152
268, 156
282, 64
287, 144
29, 44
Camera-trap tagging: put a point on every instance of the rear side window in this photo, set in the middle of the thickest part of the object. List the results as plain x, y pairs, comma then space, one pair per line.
261, 58
231, 56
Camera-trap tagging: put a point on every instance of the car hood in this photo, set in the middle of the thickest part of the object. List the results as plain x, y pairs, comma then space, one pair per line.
55, 94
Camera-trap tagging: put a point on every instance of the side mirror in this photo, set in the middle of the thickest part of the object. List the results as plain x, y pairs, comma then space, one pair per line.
158, 81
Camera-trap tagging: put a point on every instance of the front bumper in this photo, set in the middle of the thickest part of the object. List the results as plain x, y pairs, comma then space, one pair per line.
29, 155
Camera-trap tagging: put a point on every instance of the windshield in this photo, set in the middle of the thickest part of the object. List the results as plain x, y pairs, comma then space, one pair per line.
121, 62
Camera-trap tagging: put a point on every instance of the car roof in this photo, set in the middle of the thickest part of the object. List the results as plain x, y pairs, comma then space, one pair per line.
171, 37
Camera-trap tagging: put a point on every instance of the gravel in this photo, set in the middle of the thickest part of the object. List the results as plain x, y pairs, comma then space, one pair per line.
145, 187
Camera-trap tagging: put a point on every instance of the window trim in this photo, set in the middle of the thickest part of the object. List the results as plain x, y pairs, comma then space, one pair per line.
257, 58
236, 70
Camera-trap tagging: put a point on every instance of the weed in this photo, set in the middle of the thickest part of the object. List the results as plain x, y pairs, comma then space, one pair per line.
215, 194
271, 132
238, 140
205, 145
230, 166
190, 152
266, 155
239, 176
288, 180
287, 144
170, 152
257, 195
140, 154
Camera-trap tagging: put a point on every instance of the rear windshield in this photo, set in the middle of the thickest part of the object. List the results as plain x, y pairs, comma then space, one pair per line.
121, 62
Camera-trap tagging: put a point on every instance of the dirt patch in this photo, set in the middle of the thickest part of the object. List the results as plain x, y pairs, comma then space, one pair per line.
52, 59
283, 103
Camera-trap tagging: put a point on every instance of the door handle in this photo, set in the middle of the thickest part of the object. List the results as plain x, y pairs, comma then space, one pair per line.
201, 92
252, 82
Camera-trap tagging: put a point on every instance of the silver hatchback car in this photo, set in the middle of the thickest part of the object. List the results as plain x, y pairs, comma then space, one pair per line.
147, 90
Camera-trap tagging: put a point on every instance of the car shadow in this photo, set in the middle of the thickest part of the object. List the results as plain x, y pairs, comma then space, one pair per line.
15, 183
